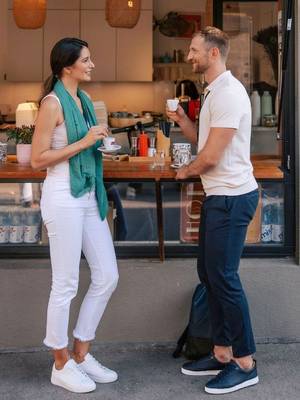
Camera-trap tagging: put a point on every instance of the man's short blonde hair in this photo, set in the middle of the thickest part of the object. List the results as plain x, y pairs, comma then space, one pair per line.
214, 37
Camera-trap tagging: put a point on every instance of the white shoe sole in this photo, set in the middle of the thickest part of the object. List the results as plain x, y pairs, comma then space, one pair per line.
57, 382
200, 373
243, 385
103, 380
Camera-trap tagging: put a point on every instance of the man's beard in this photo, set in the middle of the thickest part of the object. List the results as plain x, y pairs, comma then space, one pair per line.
200, 68
203, 66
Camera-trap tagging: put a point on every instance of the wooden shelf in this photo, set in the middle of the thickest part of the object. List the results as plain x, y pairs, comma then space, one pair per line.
174, 72
264, 129
160, 65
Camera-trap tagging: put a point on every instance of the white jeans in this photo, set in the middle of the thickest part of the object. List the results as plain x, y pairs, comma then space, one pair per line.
74, 224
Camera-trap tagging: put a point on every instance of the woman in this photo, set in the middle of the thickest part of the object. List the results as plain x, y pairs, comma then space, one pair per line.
74, 207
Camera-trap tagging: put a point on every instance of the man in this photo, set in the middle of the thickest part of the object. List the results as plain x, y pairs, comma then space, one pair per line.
223, 163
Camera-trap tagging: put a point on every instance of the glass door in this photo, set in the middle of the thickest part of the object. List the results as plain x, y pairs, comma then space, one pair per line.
257, 41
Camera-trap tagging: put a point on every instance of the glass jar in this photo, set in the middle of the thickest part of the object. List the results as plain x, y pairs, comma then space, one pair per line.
269, 120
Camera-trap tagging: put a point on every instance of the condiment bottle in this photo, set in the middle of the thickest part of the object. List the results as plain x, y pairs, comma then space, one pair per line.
143, 144
266, 104
183, 99
134, 148
256, 108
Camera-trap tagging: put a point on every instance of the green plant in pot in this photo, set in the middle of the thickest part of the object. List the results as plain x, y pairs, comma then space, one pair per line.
22, 136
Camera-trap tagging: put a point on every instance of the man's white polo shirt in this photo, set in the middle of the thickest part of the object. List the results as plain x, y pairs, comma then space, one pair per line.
227, 105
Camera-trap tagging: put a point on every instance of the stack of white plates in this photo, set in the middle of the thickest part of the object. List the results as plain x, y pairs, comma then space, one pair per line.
101, 112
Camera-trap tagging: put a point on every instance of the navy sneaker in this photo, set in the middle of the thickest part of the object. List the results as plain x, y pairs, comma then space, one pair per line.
232, 378
208, 365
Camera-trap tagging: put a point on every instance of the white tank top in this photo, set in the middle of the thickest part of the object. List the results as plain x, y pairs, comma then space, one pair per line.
59, 140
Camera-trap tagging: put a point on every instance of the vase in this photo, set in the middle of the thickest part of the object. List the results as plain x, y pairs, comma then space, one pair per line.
256, 106
266, 104
24, 153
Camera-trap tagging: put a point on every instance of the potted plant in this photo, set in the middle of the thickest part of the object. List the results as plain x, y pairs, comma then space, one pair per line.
268, 38
22, 136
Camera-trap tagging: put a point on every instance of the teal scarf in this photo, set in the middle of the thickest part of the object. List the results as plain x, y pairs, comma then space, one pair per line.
86, 171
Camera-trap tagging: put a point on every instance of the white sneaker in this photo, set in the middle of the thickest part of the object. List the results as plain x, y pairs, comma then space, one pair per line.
97, 371
72, 378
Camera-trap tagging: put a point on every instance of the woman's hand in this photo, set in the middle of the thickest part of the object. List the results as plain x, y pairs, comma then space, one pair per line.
95, 133
177, 116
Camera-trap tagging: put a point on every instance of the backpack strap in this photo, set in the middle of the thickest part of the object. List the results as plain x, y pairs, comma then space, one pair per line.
180, 343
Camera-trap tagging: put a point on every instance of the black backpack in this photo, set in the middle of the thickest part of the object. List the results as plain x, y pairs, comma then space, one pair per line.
195, 341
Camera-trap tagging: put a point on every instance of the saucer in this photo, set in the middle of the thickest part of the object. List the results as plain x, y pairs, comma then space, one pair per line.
113, 149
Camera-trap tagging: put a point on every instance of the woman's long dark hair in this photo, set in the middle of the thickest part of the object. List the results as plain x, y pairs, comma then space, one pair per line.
64, 54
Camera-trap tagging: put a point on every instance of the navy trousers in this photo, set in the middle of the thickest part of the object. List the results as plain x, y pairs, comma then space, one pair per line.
223, 228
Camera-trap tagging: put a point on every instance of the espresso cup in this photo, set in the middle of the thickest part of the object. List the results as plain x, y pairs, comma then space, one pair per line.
172, 104
109, 142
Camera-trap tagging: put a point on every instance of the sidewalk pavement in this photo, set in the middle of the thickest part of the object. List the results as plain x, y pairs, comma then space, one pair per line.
148, 372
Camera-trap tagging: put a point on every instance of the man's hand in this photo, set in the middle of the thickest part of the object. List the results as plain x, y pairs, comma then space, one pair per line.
187, 126
177, 116
182, 173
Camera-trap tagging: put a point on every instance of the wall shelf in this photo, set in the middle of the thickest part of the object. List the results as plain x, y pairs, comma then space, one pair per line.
174, 72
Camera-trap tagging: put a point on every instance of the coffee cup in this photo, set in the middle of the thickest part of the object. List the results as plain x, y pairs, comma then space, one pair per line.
181, 154
109, 142
172, 104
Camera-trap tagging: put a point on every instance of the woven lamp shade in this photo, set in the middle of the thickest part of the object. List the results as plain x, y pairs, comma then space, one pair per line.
29, 14
122, 13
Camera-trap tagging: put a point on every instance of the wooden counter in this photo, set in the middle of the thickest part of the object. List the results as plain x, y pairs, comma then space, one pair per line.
264, 168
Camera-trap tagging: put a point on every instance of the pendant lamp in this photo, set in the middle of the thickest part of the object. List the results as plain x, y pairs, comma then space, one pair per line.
122, 13
29, 14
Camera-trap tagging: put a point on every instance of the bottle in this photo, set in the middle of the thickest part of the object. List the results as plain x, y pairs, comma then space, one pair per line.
183, 99
16, 229
256, 108
277, 220
32, 226
134, 148
266, 223
143, 144
176, 56
266, 104
4, 225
